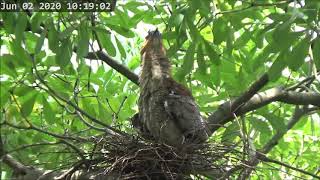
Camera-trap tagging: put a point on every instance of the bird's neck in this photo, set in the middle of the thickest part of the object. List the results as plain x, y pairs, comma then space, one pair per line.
155, 66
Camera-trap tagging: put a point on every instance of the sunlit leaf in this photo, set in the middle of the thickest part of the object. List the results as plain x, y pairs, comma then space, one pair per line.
83, 47
35, 20
48, 113
210, 51
175, 20
200, 60
231, 132
40, 42
121, 49
316, 52
122, 31
298, 54
21, 26
260, 125
21, 55
188, 61
278, 65
27, 106
64, 53
53, 39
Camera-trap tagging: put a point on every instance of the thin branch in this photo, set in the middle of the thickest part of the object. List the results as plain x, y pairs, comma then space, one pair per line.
264, 158
253, 5
121, 106
108, 129
295, 86
23, 147
75, 148
298, 113
32, 127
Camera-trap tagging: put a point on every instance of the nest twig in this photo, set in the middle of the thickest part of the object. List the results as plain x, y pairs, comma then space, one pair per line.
134, 158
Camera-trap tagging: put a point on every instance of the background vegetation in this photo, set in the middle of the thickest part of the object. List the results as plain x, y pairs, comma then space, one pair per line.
67, 77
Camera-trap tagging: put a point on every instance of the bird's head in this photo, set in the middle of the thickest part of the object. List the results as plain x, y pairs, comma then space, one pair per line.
153, 42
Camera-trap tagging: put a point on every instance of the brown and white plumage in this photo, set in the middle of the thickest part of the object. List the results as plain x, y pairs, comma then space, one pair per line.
167, 109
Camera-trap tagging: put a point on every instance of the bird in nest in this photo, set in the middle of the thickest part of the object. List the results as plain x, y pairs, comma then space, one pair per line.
168, 112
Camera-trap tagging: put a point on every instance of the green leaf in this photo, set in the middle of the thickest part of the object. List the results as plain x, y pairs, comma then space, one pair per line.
214, 57
194, 32
89, 106
316, 52
23, 90
276, 122
242, 40
134, 63
40, 42
136, 19
21, 55
215, 74
48, 113
122, 31
35, 21
203, 78
219, 30
67, 32
108, 45
121, 49
150, 18
30, 42
200, 60
9, 20
175, 20
4, 95
105, 39
230, 39
187, 65
64, 53
283, 38
278, 65
83, 46
53, 39
104, 115
133, 5
7, 65
27, 106
298, 54
260, 59
20, 27
231, 133
205, 7
260, 125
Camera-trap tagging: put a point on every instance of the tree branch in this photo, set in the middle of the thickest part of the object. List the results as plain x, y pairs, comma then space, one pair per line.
254, 88
224, 114
100, 55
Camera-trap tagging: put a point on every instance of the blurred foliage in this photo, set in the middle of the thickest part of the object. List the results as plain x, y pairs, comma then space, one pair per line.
217, 49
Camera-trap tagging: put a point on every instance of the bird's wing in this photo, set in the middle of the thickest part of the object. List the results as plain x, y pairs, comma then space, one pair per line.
184, 111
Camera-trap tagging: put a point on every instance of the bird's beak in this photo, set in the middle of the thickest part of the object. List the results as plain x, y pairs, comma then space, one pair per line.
153, 40
156, 34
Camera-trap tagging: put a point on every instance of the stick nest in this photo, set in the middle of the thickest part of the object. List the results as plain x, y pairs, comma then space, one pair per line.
135, 158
